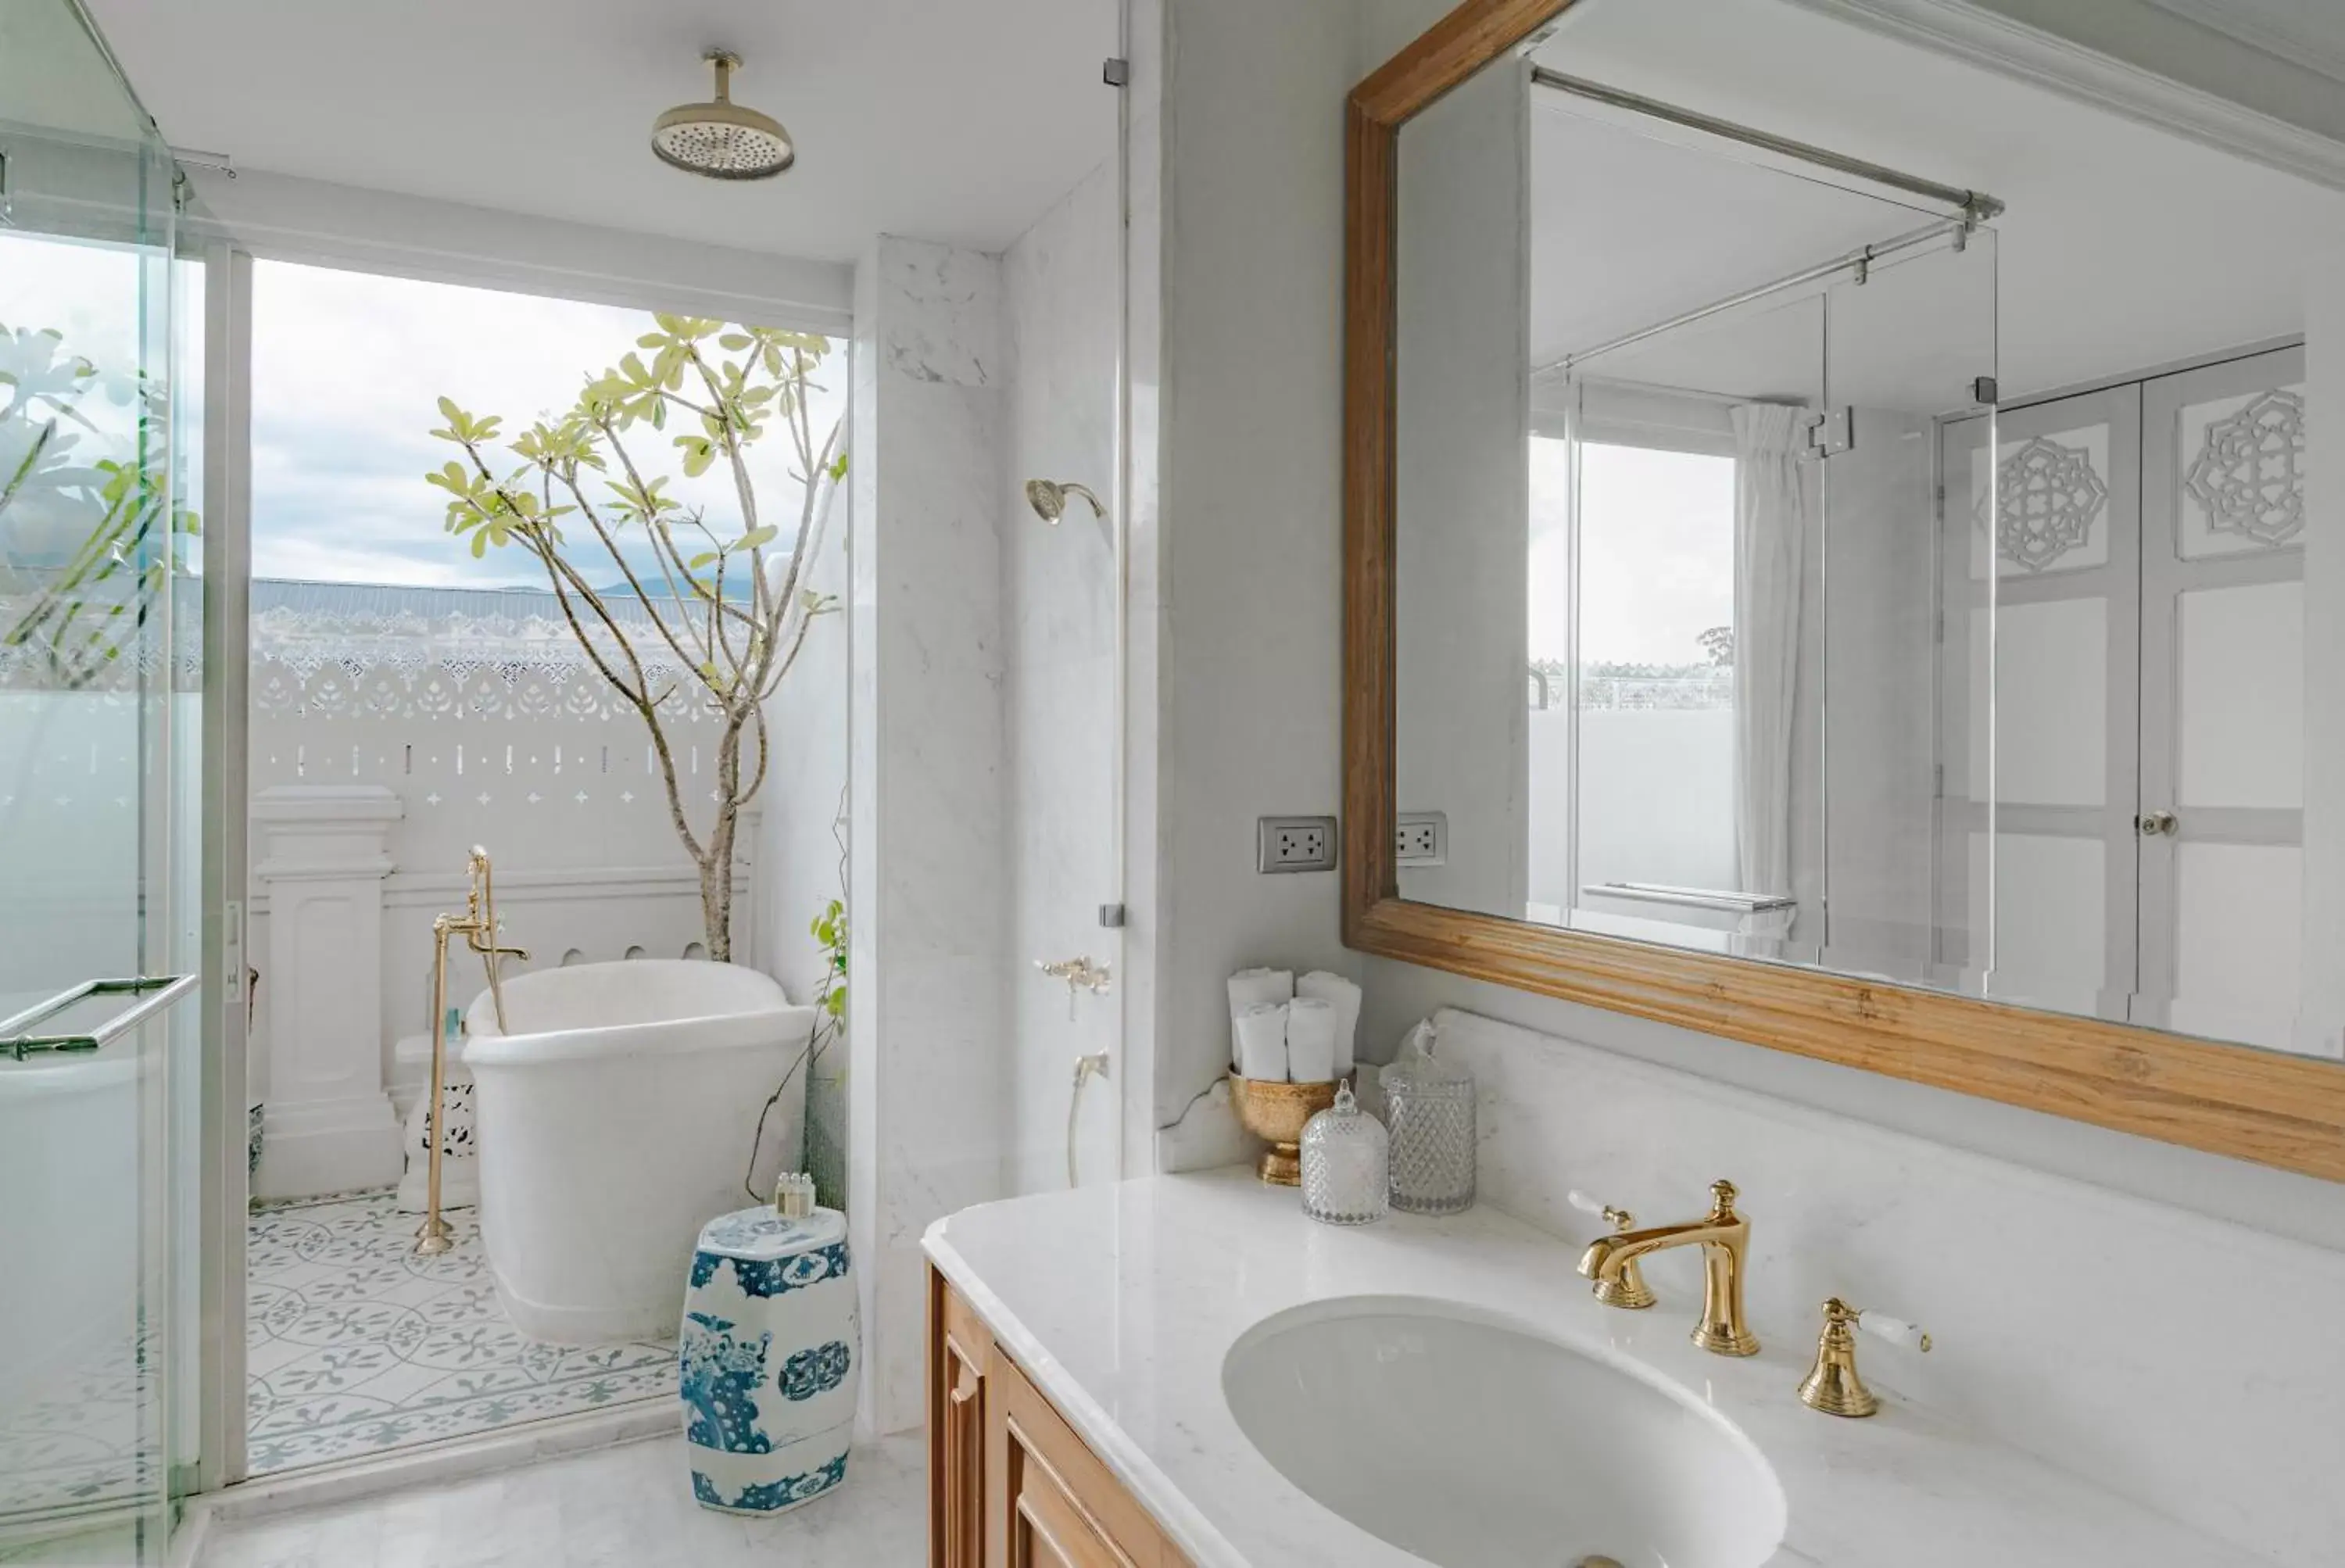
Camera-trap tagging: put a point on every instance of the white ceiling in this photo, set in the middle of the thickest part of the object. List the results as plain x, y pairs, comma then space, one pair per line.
960, 123
2124, 247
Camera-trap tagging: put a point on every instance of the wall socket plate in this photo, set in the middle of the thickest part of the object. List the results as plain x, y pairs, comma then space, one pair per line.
1421, 839
1296, 844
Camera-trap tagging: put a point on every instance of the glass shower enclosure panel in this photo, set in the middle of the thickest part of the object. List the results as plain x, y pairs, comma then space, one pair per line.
1910, 599
98, 676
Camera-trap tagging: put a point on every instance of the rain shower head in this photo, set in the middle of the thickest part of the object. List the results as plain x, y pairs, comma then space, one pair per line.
720, 139
1048, 499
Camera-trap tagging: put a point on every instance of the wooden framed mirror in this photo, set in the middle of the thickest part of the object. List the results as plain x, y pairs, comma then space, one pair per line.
1876, 827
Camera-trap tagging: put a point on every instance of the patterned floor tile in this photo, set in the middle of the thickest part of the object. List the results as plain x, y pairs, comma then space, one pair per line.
357, 1345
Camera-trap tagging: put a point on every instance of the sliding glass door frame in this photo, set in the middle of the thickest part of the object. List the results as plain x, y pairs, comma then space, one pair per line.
227, 576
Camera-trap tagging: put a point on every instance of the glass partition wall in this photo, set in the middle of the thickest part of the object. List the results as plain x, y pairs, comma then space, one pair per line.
100, 676
1762, 664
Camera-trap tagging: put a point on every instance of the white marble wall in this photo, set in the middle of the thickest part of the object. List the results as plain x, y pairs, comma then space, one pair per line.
1058, 588
2187, 1362
1238, 555
926, 1042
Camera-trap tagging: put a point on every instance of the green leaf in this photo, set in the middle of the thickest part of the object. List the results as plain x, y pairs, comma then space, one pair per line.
703, 559
756, 538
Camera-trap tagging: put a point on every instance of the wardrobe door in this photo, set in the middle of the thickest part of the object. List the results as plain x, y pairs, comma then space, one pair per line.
2222, 758
2036, 704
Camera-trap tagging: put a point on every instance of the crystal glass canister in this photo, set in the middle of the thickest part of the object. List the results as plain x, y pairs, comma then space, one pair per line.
1345, 1172
1430, 1109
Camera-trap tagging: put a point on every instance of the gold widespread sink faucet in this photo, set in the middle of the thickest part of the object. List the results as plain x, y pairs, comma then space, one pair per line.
1724, 1237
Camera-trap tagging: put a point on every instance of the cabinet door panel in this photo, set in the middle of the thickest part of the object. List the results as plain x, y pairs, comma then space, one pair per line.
959, 1352
1050, 1501
1047, 1528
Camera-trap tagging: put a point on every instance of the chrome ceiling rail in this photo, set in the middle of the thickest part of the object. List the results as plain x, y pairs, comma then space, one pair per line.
1975, 205
1858, 261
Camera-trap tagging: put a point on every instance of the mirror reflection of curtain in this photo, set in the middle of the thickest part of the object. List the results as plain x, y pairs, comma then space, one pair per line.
1769, 533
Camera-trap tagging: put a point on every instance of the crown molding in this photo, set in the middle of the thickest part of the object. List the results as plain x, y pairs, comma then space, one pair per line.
2245, 22
1967, 31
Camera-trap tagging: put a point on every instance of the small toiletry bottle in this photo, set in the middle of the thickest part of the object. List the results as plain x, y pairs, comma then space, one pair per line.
1345, 1175
1430, 1109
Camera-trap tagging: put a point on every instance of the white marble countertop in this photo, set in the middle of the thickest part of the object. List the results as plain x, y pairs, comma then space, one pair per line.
1121, 1300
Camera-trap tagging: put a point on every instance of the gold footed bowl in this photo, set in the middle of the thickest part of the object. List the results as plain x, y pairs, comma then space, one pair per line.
1277, 1112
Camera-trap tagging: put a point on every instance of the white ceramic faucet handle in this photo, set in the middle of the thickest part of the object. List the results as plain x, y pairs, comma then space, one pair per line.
1619, 1218
1896, 1330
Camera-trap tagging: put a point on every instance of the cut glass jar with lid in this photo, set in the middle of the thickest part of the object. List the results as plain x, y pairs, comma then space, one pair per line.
1344, 1164
1429, 1110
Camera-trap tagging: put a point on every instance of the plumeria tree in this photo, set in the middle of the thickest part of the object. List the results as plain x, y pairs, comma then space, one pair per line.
83, 546
724, 610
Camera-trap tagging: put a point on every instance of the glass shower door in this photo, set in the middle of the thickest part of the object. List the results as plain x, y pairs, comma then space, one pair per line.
97, 636
1912, 850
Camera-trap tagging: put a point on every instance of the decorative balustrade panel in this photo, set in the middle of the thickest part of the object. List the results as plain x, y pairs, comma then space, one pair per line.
483, 713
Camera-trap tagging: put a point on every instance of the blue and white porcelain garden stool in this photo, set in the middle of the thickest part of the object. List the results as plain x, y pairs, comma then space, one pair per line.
767, 1359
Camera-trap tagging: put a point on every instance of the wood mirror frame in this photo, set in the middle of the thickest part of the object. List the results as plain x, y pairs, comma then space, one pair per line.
2270, 1108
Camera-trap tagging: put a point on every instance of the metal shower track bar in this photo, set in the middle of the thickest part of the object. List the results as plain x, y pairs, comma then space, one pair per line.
1857, 260
1974, 205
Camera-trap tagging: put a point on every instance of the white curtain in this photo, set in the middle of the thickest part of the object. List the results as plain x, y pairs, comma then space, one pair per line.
1770, 535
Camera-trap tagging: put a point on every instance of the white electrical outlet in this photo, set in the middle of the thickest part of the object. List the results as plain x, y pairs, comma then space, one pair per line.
1421, 839
1296, 844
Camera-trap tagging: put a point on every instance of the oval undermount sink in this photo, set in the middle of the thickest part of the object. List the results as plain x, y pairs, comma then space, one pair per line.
1474, 1445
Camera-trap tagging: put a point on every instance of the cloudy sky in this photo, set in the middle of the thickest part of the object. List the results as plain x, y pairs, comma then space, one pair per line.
347, 372
1656, 554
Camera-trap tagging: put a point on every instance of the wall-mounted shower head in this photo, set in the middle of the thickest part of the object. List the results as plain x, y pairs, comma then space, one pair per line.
1049, 498
720, 139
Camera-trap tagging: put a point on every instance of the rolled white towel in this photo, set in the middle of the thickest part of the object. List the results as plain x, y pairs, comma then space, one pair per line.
1262, 1041
1344, 997
1310, 1040
1252, 988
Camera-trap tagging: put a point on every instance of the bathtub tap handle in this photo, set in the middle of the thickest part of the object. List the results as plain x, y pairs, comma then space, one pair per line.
1079, 974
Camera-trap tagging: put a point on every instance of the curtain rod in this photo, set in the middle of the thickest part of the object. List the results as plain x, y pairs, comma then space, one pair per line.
1975, 205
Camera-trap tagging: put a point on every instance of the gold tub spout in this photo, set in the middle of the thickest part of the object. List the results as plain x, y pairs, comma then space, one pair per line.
478, 925
1724, 1237
480, 930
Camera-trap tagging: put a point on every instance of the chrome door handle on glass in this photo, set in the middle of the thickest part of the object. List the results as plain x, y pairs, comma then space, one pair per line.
155, 992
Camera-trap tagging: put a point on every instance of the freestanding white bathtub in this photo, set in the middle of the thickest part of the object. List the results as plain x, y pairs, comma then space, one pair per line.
613, 1122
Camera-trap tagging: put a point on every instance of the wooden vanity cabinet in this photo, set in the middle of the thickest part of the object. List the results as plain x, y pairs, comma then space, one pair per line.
1010, 1484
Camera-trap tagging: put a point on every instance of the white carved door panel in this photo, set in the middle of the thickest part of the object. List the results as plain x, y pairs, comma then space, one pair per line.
2055, 751
2222, 769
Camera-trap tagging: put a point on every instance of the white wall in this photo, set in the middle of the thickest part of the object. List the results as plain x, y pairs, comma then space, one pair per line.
1462, 491
1058, 592
2321, 1011
1246, 629
289, 219
927, 1086
801, 852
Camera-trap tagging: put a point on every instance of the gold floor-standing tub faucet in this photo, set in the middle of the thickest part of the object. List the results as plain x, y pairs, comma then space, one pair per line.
1724, 1237
478, 925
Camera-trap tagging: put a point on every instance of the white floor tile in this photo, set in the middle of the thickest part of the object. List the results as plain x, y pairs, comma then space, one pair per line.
624, 1507
356, 1346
